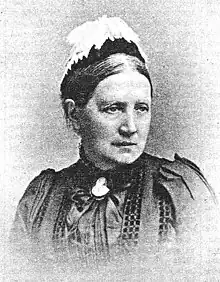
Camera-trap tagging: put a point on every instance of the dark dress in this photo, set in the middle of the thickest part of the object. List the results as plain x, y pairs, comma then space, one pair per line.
151, 203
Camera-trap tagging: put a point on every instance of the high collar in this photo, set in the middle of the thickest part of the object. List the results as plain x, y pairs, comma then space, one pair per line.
118, 178
119, 169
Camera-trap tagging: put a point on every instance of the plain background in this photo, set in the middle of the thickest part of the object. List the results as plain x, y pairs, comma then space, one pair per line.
182, 40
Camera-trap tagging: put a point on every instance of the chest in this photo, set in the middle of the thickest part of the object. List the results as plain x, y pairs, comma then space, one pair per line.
76, 222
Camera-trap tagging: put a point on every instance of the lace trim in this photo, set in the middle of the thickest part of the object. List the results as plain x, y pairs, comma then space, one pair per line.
132, 214
166, 219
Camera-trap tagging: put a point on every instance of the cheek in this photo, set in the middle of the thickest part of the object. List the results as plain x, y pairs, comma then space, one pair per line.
96, 129
144, 129
144, 125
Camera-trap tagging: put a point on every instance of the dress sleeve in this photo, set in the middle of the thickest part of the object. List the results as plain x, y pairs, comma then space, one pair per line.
28, 207
196, 208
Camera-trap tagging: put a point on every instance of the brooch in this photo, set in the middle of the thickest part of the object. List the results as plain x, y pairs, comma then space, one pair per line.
100, 189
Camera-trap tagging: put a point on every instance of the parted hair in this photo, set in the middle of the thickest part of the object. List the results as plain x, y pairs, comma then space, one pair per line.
114, 57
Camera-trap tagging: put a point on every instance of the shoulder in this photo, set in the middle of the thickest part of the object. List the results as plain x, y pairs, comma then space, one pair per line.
193, 200
44, 179
181, 179
39, 181
188, 174
31, 201
36, 191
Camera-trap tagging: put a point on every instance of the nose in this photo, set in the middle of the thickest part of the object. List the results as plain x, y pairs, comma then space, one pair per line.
128, 127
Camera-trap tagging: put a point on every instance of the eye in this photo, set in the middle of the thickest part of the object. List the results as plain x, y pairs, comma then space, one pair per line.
113, 109
142, 108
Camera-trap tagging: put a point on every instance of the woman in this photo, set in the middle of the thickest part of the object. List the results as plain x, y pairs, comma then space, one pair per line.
115, 197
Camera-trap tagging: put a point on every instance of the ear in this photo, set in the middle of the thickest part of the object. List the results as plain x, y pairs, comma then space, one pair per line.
71, 114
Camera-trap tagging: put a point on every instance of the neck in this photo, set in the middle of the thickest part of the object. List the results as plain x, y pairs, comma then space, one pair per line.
92, 160
88, 157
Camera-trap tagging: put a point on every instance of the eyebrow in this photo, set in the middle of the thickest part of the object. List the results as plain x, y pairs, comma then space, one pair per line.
112, 101
103, 103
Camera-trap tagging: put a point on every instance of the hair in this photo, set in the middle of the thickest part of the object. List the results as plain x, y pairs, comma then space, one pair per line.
113, 58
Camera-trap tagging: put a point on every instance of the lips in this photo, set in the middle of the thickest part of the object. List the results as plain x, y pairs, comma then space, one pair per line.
123, 144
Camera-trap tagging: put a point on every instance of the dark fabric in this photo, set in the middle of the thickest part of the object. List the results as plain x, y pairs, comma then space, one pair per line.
119, 45
149, 202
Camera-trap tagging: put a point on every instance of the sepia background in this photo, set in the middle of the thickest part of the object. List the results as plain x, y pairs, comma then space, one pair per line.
182, 40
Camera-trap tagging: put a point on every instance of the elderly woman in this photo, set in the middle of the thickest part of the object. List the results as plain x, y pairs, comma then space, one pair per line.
115, 197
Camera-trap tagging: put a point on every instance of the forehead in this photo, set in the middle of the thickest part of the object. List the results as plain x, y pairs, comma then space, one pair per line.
123, 86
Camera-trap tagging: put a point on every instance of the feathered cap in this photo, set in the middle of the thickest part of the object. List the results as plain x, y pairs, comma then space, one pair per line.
95, 40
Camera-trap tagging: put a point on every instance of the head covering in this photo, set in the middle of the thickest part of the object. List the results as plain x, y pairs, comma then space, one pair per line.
92, 35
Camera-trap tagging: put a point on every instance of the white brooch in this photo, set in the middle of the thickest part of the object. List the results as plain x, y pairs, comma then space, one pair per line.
95, 33
100, 189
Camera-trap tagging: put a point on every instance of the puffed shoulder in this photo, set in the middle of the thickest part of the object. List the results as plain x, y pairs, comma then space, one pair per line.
189, 175
39, 184
30, 202
193, 199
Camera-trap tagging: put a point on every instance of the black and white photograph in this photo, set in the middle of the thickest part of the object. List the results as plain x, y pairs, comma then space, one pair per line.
110, 140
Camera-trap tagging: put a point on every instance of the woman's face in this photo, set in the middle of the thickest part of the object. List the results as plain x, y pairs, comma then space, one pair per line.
115, 123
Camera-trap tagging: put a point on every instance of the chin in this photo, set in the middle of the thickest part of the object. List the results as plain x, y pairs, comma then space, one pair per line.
127, 158
123, 156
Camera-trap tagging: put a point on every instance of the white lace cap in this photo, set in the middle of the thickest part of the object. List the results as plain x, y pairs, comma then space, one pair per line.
85, 36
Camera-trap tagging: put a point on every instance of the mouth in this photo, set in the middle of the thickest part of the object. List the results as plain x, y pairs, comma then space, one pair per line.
123, 144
